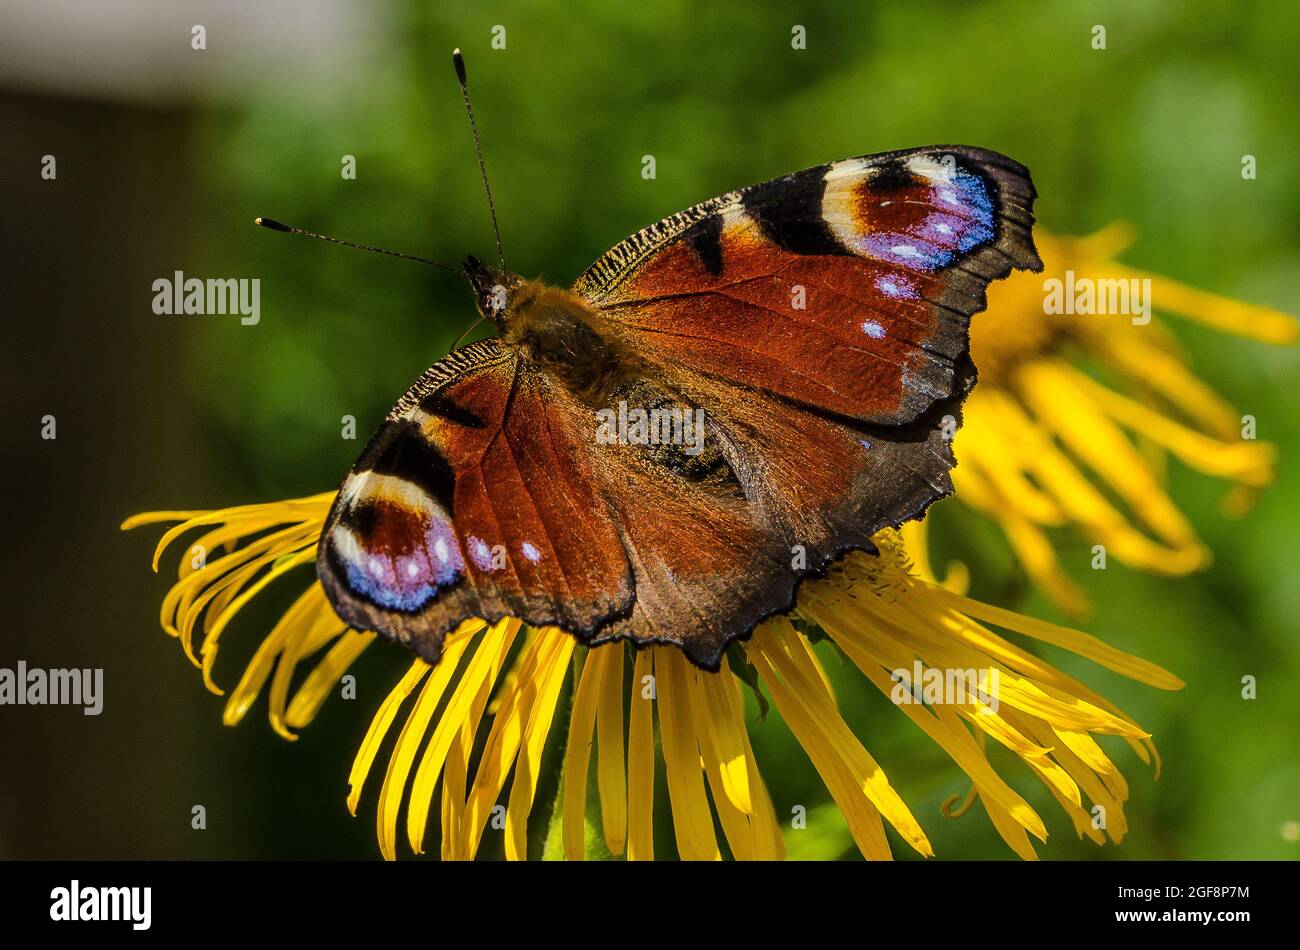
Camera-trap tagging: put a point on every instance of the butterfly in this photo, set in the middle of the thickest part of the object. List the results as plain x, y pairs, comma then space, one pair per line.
812, 331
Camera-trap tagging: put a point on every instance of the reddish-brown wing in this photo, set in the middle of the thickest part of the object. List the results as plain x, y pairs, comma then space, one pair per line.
847, 287
484, 494
475, 499
712, 558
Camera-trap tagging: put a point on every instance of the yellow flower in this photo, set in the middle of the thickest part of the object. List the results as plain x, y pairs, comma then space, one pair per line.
474, 727
1046, 444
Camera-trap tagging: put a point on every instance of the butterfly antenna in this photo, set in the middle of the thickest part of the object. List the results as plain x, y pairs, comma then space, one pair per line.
275, 225
459, 62
468, 330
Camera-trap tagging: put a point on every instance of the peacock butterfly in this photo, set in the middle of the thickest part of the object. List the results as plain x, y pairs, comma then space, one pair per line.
720, 406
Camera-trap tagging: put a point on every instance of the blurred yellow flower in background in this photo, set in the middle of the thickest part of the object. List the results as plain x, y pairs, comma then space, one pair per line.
1046, 443
475, 725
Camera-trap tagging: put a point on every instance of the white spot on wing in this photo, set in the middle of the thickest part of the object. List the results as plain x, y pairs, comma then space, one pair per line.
928, 167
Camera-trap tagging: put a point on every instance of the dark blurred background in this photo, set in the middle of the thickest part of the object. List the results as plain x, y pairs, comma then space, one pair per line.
165, 154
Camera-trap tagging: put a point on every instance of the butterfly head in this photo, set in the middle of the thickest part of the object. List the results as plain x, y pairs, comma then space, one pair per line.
492, 289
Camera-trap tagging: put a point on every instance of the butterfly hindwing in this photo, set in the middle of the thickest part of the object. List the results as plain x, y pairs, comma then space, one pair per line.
709, 566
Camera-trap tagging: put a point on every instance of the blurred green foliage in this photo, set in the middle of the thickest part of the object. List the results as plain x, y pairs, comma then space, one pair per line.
1151, 129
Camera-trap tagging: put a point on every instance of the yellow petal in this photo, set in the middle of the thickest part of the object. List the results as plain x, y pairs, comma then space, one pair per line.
483, 666
641, 764
711, 708
522, 722
316, 687
947, 733
408, 743
611, 768
1222, 313
529, 762
1075, 641
793, 683
455, 772
577, 756
379, 726
692, 817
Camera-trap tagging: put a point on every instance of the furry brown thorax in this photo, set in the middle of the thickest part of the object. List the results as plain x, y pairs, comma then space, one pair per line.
563, 337
556, 330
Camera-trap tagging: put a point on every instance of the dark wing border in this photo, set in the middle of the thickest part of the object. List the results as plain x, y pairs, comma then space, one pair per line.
621, 261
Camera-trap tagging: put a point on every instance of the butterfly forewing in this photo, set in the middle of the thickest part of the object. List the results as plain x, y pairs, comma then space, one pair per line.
846, 287
475, 499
